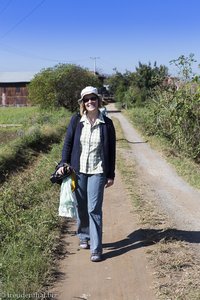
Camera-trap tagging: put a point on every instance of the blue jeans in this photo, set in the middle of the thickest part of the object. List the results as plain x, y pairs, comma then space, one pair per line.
89, 195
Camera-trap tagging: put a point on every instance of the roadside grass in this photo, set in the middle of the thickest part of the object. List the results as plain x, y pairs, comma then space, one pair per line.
29, 227
175, 262
185, 167
38, 133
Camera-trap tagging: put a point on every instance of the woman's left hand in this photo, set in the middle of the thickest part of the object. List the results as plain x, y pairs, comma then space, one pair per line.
109, 182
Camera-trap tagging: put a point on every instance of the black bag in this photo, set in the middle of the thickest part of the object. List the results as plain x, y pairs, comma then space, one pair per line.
57, 178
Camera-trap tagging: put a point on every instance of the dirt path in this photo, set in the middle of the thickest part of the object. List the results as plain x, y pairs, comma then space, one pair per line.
125, 274
180, 201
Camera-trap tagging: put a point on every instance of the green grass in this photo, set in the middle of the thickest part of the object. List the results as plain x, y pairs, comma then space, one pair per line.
8, 134
29, 226
30, 116
48, 128
18, 115
29, 223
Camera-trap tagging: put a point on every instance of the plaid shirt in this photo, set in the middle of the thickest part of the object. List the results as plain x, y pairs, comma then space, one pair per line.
91, 149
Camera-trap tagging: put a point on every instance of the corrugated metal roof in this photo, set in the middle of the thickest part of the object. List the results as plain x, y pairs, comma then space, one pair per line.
16, 76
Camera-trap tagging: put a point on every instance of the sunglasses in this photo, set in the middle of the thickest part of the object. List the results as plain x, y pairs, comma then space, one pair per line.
92, 98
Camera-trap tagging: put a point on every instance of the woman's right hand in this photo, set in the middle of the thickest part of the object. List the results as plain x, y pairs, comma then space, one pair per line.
60, 171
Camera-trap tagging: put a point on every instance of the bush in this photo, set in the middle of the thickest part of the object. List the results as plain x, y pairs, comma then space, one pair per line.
176, 116
60, 86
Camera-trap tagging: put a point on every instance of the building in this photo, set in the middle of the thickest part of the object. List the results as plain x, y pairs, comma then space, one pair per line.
13, 88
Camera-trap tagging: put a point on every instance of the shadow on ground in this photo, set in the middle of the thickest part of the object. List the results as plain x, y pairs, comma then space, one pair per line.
113, 111
147, 237
131, 142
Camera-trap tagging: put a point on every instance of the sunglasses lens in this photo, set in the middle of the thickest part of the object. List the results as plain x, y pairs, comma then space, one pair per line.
93, 98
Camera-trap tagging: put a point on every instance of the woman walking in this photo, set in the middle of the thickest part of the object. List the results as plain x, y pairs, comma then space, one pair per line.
89, 148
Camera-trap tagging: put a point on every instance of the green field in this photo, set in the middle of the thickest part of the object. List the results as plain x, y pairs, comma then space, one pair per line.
13, 120
18, 115
19, 144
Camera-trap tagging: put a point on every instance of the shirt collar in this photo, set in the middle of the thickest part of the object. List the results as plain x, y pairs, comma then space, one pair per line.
99, 119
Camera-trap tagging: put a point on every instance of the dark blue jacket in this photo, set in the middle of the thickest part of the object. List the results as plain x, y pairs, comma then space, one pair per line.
72, 149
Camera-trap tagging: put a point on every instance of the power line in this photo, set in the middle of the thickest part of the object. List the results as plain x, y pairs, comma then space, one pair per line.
5, 6
23, 19
27, 54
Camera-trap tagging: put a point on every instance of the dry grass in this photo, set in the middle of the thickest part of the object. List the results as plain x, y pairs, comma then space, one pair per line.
177, 270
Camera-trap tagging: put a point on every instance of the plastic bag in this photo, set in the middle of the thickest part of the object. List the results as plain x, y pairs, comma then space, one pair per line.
67, 205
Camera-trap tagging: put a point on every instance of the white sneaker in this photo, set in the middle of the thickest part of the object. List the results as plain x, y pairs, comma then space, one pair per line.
84, 245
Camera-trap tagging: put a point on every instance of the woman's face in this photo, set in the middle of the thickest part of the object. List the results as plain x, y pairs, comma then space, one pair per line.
91, 102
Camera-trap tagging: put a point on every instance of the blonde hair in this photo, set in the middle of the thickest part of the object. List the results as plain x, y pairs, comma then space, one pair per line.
82, 105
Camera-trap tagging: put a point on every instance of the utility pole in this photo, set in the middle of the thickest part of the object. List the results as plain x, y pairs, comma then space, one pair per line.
94, 58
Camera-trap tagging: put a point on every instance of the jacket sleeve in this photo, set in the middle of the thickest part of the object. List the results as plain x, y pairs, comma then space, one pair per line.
112, 150
68, 142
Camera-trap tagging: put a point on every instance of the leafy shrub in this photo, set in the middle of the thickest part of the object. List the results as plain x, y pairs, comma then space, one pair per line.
176, 116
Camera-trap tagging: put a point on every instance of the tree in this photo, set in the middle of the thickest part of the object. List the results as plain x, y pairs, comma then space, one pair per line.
184, 65
119, 84
137, 87
60, 86
148, 77
42, 89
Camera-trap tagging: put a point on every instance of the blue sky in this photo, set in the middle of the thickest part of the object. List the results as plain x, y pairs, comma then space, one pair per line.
37, 34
